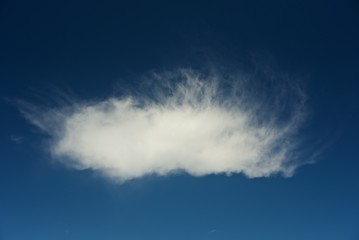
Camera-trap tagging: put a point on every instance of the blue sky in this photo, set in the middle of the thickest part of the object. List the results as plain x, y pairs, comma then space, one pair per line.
247, 110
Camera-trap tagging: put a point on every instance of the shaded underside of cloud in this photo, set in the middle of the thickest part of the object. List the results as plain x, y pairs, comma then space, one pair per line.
182, 121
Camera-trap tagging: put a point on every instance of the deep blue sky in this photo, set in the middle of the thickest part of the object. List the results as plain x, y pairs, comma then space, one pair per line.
93, 47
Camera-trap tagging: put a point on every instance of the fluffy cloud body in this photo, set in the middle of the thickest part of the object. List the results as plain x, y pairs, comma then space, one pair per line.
183, 121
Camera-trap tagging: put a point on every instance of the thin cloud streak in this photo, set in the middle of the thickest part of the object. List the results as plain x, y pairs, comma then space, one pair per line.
16, 139
184, 121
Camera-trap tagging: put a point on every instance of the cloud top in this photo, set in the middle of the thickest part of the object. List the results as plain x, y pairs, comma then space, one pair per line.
182, 121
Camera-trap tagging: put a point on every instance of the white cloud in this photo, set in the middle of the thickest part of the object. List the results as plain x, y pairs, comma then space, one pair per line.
183, 121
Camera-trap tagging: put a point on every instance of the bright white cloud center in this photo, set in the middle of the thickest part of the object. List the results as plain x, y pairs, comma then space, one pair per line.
192, 125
